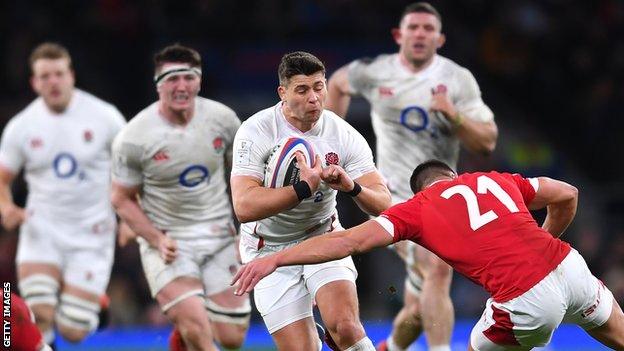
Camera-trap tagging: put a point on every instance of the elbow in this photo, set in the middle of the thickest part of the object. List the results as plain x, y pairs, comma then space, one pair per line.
242, 212
116, 201
572, 194
488, 148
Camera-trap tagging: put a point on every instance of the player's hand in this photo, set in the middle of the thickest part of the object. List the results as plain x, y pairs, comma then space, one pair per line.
337, 178
312, 176
250, 274
168, 249
12, 216
125, 234
441, 102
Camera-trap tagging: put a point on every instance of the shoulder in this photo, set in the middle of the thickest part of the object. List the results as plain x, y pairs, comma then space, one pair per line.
373, 66
261, 120
215, 106
460, 73
142, 122
93, 102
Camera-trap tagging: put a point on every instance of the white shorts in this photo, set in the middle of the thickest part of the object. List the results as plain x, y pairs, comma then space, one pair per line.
211, 260
570, 293
84, 251
285, 296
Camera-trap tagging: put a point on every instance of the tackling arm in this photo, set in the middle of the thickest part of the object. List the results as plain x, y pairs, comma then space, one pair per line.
322, 248
560, 200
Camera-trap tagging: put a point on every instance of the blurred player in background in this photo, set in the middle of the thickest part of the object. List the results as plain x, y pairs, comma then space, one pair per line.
481, 225
277, 218
67, 237
423, 106
173, 157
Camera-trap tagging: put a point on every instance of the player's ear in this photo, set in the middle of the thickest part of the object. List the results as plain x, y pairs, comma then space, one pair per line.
441, 41
281, 91
396, 35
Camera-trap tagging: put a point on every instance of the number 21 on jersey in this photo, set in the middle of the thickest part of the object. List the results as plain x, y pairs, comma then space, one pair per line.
484, 184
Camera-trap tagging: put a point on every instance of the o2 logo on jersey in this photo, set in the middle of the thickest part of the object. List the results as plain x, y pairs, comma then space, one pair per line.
193, 175
415, 118
65, 166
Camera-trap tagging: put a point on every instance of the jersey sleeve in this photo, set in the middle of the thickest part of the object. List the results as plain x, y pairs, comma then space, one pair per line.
117, 122
12, 154
528, 186
403, 219
359, 157
469, 101
126, 165
357, 75
250, 150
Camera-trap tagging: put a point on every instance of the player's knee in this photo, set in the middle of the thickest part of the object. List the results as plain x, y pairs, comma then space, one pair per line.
347, 330
439, 271
72, 335
232, 337
193, 327
40, 292
76, 317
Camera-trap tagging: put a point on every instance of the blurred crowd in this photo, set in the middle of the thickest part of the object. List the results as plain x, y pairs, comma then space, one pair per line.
552, 72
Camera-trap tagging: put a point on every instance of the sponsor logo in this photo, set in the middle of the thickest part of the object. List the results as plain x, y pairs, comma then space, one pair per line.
386, 92
36, 143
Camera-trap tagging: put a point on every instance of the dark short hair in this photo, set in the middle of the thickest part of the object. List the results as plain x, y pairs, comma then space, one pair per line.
421, 7
426, 172
176, 53
298, 62
48, 50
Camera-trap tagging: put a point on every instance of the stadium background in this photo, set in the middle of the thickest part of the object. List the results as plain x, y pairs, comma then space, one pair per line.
552, 72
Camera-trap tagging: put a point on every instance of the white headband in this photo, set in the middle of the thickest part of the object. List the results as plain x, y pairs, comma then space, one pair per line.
174, 70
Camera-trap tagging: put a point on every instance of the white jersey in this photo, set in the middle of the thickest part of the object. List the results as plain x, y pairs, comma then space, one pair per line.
407, 132
181, 170
66, 157
332, 138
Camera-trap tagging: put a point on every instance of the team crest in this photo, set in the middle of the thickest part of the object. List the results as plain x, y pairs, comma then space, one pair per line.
386, 92
218, 145
331, 158
36, 143
88, 136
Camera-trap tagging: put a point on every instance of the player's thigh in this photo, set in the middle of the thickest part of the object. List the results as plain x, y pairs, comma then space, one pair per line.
431, 266
282, 298
222, 305
159, 274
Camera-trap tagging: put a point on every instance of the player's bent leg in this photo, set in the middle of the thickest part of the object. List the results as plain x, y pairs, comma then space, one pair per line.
298, 335
611, 333
407, 325
182, 302
437, 312
229, 316
39, 285
77, 314
338, 303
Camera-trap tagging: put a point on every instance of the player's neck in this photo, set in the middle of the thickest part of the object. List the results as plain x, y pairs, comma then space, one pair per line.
177, 117
415, 66
303, 126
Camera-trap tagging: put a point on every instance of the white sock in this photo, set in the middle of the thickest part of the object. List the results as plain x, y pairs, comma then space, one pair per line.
365, 344
440, 348
392, 346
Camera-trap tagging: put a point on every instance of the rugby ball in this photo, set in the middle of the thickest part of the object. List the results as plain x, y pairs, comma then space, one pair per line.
281, 167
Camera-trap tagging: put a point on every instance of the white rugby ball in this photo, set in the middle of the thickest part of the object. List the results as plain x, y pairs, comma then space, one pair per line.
281, 167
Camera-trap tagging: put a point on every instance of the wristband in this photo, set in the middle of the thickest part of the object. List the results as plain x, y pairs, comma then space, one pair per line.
302, 189
458, 120
357, 188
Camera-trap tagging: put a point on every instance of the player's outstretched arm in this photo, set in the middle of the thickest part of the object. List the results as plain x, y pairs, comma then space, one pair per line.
338, 97
322, 248
12, 215
125, 201
560, 200
253, 202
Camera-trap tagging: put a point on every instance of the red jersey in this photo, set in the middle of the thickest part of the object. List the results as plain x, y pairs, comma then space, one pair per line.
24, 333
480, 225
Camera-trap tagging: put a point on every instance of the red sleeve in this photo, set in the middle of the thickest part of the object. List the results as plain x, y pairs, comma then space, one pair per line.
525, 186
405, 218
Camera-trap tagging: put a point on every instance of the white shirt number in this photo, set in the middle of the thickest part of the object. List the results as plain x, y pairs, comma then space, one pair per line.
484, 184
